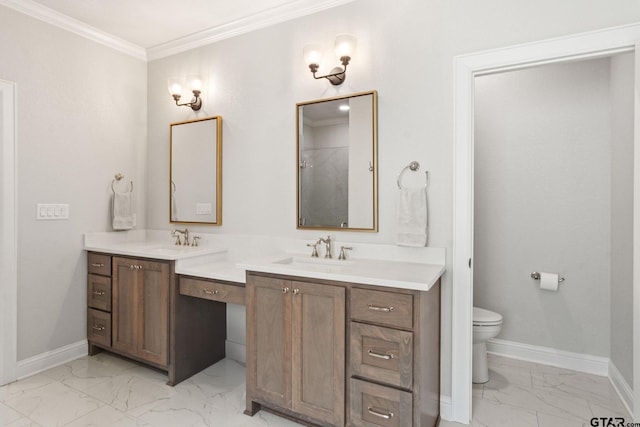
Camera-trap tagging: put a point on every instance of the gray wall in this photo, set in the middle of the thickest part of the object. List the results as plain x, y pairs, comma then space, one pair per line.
405, 51
622, 79
554, 192
542, 203
81, 118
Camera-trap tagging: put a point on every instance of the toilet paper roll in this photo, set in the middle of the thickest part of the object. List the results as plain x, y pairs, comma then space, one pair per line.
549, 281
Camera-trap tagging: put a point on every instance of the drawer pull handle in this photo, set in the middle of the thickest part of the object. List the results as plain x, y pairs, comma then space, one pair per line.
97, 265
98, 328
135, 267
379, 355
378, 308
208, 292
386, 416
99, 293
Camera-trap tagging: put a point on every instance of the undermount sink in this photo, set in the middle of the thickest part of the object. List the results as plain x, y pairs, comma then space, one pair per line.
306, 261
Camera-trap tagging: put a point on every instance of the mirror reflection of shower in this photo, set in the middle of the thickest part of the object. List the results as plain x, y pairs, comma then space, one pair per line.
337, 162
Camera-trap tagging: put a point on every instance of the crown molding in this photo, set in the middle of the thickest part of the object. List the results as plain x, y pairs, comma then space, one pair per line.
275, 15
57, 19
253, 22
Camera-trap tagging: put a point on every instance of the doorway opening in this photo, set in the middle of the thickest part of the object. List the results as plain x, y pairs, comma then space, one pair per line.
583, 46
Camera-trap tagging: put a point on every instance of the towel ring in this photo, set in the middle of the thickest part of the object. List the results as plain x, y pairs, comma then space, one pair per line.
117, 178
413, 166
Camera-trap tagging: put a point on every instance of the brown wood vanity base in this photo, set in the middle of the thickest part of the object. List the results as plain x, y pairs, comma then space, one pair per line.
136, 310
328, 353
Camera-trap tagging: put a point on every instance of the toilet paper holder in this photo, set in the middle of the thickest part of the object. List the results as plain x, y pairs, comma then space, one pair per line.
536, 276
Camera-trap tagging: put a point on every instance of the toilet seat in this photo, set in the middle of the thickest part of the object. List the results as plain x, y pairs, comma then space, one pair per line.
482, 317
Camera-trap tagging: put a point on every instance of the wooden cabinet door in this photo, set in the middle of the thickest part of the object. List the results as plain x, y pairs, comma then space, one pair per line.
153, 312
124, 306
140, 309
269, 340
318, 369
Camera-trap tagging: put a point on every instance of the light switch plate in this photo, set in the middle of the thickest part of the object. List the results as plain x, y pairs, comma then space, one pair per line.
52, 211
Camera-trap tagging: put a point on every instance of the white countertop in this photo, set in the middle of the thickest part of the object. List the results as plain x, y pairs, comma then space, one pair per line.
227, 258
155, 250
229, 271
145, 245
393, 274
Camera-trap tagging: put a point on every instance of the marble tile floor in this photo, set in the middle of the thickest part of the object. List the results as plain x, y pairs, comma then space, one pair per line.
523, 394
105, 390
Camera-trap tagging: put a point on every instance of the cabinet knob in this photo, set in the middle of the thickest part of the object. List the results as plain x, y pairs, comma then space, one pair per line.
285, 290
296, 291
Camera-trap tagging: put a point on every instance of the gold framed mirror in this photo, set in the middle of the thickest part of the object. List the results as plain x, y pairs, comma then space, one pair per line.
337, 163
195, 171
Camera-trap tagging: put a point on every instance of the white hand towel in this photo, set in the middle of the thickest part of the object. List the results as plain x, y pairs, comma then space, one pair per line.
412, 217
122, 211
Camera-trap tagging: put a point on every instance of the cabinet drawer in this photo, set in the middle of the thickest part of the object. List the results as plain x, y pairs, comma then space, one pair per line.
376, 405
382, 354
99, 264
387, 308
212, 290
99, 327
99, 292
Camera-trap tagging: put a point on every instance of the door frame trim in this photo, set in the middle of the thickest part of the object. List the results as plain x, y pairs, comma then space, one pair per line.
8, 235
589, 45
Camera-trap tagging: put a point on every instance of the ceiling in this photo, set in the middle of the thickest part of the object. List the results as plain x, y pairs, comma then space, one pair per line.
163, 27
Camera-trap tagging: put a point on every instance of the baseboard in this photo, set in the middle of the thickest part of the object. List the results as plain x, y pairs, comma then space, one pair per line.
549, 356
621, 387
51, 359
235, 351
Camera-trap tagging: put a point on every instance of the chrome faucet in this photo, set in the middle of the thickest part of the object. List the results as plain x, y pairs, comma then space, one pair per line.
328, 252
314, 251
343, 254
177, 233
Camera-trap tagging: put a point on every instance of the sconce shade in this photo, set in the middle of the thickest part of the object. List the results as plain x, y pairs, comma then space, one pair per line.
195, 82
174, 85
312, 54
345, 45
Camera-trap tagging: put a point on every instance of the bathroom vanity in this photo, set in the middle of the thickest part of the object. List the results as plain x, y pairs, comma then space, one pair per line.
344, 352
328, 342
135, 308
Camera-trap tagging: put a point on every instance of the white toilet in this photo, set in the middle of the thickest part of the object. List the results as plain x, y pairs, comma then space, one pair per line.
486, 325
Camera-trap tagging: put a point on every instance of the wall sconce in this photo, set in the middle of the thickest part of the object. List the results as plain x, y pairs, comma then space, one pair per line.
345, 47
175, 87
